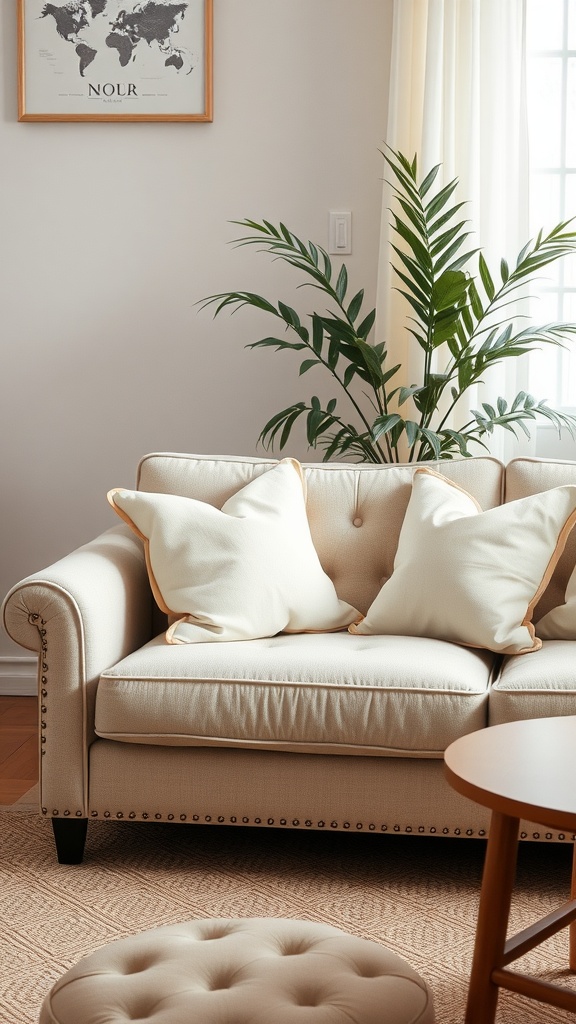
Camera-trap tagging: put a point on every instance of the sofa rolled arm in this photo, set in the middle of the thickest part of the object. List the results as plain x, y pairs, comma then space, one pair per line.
81, 615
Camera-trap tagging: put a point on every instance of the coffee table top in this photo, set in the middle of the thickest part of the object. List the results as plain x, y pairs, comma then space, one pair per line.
523, 769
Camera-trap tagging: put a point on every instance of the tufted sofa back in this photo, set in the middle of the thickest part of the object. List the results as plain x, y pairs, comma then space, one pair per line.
355, 512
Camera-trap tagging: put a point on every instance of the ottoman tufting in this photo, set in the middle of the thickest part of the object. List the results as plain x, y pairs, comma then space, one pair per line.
240, 971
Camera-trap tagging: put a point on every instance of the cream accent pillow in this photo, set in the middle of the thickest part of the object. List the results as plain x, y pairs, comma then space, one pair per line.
560, 622
244, 571
470, 576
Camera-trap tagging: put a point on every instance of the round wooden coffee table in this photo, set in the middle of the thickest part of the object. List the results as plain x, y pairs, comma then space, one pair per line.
520, 770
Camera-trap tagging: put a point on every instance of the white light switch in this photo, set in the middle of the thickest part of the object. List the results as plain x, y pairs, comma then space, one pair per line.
340, 232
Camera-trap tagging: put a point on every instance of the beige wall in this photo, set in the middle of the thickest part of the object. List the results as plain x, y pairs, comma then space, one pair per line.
109, 235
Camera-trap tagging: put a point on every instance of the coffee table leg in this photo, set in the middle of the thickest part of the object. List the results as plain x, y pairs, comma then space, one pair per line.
495, 899
572, 929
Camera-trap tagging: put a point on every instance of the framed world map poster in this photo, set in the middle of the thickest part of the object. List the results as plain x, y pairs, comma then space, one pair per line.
115, 60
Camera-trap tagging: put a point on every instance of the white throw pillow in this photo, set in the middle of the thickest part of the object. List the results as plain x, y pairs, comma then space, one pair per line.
560, 622
470, 576
244, 571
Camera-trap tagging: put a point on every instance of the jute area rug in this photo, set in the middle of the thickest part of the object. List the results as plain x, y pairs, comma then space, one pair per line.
418, 896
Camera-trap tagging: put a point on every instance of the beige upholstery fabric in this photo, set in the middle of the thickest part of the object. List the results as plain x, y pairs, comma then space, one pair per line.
232, 786
332, 693
246, 970
541, 686
530, 476
355, 512
81, 614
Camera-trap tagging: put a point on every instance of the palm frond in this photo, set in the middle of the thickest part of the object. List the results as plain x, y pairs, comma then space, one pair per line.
460, 311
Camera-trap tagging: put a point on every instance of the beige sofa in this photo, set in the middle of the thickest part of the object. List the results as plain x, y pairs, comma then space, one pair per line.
319, 731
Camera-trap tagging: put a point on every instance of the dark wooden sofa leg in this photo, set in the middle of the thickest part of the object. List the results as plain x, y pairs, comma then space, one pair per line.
70, 837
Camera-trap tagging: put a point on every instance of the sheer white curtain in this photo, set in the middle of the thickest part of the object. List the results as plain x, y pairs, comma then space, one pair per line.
457, 97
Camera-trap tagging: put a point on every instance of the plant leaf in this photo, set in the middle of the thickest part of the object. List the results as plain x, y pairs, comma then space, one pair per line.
355, 305
412, 431
450, 289
307, 364
289, 315
366, 326
383, 424
277, 343
317, 333
405, 393
486, 277
429, 180
342, 283
440, 199
434, 440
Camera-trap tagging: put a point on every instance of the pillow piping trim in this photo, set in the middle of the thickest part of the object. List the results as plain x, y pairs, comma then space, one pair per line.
556, 554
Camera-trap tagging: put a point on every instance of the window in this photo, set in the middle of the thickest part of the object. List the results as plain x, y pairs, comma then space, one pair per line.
551, 92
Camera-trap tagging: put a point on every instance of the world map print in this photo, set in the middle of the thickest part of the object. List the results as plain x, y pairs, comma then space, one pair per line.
88, 25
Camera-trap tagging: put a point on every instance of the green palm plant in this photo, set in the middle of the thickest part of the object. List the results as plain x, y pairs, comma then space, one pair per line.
458, 318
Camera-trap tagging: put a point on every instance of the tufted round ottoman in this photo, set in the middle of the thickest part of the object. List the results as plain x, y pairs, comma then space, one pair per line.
240, 971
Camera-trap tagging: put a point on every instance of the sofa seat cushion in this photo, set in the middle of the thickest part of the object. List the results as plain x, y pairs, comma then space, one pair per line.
541, 686
329, 693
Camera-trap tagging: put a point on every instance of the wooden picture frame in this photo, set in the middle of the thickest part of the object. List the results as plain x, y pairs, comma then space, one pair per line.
115, 60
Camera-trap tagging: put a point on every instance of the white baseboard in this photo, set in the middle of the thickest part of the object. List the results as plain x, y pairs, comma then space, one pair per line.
18, 677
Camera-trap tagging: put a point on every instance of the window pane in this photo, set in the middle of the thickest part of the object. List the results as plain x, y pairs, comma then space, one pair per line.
569, 316
551, 81
569, 274
571, 113
544, 308
545, 208
543, 375
569, 264
545, 372
570, 203
572, 24
567, 395
544, 24
545, 110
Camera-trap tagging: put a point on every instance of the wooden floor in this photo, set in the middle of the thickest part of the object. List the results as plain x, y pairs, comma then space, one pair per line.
18, 747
